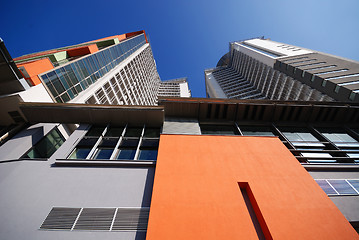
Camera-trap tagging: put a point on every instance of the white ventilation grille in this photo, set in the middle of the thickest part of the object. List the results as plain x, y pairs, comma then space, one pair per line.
97, 219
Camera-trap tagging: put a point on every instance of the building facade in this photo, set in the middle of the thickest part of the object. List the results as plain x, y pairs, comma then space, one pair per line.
172, 168
123, 173
264, 69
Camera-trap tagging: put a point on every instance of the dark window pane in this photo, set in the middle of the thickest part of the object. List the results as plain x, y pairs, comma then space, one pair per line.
148, 155
218, 130
87, 142
152, 132
47, 145
109, 142
133, 132
114, 132
127, 154
326, 187
80, 153
95, 131
104, 153
256, 131
150, 143
129, 142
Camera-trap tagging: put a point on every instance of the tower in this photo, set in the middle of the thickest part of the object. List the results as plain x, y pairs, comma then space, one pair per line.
264, 69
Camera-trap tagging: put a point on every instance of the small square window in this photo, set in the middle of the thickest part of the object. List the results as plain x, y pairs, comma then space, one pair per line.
337, 88
95, 131
133, 132
80, 153
147, 154
152, 132
103, 153
126, 154
324, 83
114, 132
129, 142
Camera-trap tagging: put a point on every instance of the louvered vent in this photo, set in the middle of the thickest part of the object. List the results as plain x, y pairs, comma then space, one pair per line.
61, 218
131, 219
90, 219
95, 219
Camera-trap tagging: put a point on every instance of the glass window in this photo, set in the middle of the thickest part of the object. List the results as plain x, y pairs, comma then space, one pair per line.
219, 130
129, 142
355, 184
80, 153
95, 131
152, 132
148, 154
339, 137
46, 146
342, 187
152, 143
103, 153
326, 187
133, 132
126, 154
114, 132
256, 131
300, 137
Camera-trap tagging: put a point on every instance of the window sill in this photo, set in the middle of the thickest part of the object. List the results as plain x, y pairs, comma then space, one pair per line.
104, 163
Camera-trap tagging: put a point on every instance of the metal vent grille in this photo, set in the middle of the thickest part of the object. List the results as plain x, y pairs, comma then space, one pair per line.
95, 219
61, 218
131, 219
102, 219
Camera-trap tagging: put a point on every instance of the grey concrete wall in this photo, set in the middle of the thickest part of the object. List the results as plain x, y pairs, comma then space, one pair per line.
348, 205
30, 189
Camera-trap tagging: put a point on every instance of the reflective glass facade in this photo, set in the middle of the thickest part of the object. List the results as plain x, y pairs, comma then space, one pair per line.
66, 82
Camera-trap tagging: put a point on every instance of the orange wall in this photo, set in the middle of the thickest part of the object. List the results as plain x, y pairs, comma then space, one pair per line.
36, 67
196, 193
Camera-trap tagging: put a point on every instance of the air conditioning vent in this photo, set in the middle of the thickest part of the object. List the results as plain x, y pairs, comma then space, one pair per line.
97, 219
61, 218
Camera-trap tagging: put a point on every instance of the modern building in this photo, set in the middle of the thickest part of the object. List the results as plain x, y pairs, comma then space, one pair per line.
174, 88
264, 69
117, 70
186, 169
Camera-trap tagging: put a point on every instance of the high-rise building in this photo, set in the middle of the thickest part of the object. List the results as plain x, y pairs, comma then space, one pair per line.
264, 69
116, 70
174, 88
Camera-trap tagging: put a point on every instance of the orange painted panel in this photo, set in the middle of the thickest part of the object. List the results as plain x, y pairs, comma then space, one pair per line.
35, 68
196, 193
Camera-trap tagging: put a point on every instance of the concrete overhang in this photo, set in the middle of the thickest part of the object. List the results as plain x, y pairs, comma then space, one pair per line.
92, 114
215, 110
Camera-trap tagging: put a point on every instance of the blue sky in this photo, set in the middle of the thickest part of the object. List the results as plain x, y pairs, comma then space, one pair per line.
186, 36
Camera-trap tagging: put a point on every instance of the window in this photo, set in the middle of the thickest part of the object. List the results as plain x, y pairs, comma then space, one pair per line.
339, 137
118, 143
301, 137
219, 130
46, 146
339, 186
256, 131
